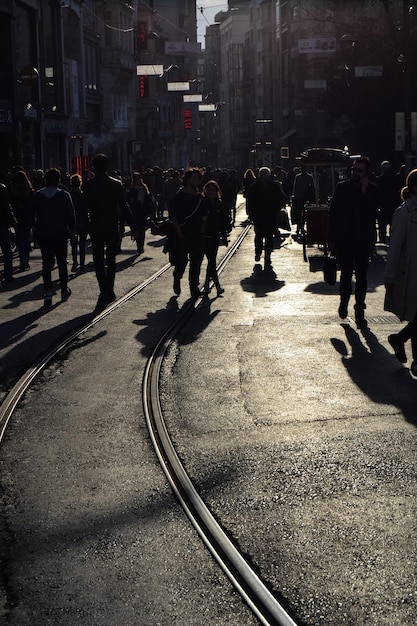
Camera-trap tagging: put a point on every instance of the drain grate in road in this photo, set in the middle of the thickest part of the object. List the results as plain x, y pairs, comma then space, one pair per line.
383, 319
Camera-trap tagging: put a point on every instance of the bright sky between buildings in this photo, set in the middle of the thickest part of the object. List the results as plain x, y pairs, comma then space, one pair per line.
206, 17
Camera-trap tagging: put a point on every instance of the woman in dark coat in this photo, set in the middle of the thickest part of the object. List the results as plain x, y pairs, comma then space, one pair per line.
21, 199
139, 201
216, 229
79, 238
188, 217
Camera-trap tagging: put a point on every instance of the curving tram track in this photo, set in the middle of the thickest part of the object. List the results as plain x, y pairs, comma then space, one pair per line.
246, 581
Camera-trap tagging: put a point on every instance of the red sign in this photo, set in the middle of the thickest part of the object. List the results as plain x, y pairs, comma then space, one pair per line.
142, 36
188, 119
143, 87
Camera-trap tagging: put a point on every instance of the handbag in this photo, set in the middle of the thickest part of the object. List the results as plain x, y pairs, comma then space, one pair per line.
330, 269
161, 227
284, 219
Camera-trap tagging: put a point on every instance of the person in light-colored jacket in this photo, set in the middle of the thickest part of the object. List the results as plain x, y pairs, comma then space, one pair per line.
401, 272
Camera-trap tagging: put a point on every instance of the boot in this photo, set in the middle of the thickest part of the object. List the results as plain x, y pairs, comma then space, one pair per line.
360, 319
343, 307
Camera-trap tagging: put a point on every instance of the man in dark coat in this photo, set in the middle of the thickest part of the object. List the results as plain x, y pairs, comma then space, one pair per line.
106, 208
264, 201
352, 234
54, 224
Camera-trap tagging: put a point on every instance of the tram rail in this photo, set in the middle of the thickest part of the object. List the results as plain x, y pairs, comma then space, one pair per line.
241, 574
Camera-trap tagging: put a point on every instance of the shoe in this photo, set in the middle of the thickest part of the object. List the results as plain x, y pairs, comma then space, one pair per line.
220, 290
111, 297
24, 266
195, 292
101, 303
82, 269
398, 348
177, 286
343, 310
65, 294
413, 368
360, 317
74, 266
47, 299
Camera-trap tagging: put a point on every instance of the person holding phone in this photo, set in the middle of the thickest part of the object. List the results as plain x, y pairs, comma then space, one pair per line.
352, 235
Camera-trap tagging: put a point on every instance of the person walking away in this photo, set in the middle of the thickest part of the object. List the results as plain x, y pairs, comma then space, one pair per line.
352, 234
215, 231
78, 241
228, 194
303, 192
388, 195
106, 208
54, 223
139, 200
235, 184
38, 181
7, 220
170, 187
21, 198
249, 177
265, 199
401, 272
188, 217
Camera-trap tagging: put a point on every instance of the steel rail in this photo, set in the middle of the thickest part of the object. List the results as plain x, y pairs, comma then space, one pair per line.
255, 593
12, 398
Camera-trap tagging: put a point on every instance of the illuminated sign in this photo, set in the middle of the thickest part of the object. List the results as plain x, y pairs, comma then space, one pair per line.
193, 97
150, 70
185, 86
188, 119
143, 87
142, 36
207, 107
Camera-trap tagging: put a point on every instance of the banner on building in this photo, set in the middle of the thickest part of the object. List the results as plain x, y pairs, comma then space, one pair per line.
182, 47
317, 44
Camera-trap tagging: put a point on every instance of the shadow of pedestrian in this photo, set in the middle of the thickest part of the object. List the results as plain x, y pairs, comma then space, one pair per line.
376, 371
262, 282
15, 361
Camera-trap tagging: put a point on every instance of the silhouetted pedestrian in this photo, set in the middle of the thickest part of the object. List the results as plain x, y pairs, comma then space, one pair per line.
106, 209
401, 272
7, 220
265, 199
216, 229
78, 241
54, 223
352, 234
188, 217
21, 198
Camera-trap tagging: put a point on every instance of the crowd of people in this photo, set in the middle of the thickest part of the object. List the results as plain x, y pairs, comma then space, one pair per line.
51, 209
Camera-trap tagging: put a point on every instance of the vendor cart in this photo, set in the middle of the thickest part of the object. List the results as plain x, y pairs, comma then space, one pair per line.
315, 216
